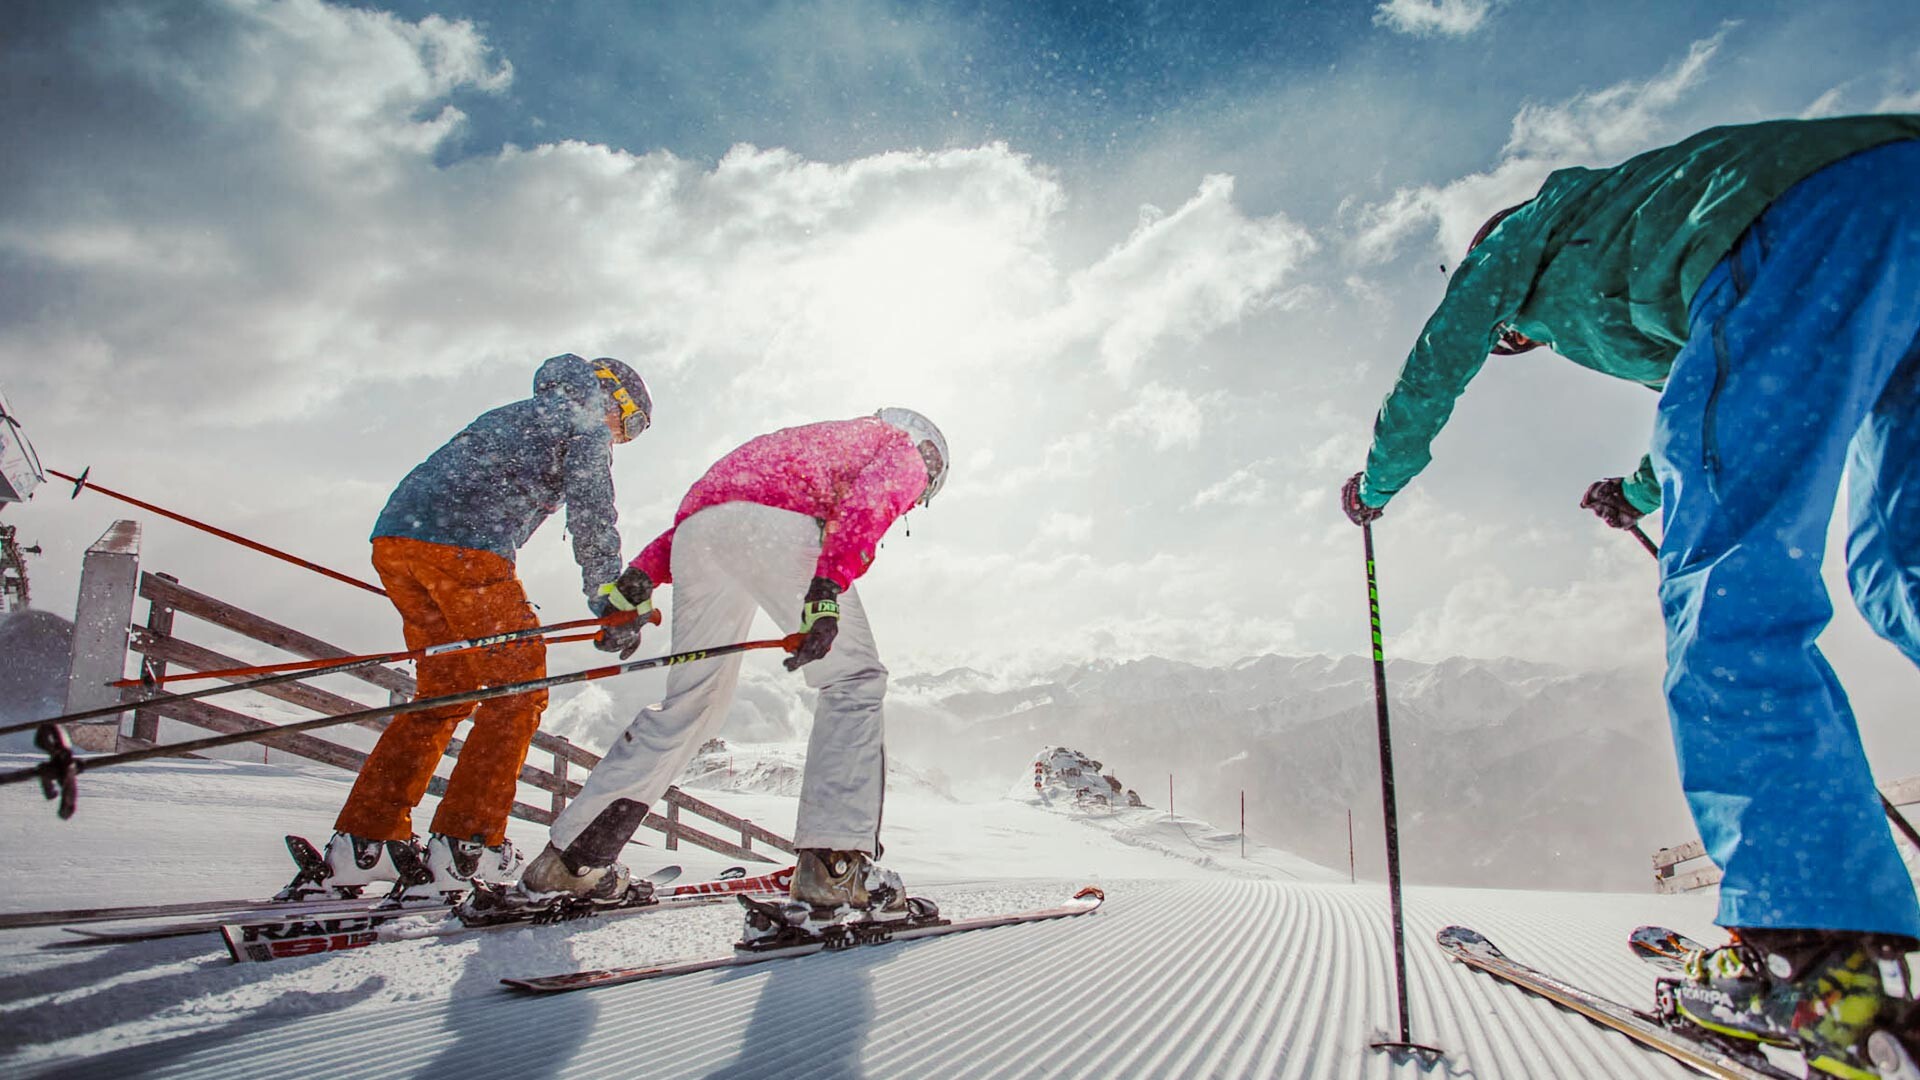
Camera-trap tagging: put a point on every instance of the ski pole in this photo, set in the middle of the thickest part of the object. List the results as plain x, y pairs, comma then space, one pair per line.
329, 664
59, 774
80, 482
1405, 1043
307, 671
1893, 813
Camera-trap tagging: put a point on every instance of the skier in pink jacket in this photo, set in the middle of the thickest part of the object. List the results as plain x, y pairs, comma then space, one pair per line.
785, 524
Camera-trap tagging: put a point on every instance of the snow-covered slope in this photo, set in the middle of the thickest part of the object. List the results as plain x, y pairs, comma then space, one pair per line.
1200, 965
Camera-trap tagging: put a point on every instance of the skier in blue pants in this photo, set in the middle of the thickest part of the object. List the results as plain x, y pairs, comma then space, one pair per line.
1765, 279
1804, 361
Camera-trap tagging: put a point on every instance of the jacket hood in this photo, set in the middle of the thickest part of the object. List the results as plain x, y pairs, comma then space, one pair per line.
568, 376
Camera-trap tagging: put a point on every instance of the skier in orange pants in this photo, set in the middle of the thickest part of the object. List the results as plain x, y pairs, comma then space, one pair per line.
444, 548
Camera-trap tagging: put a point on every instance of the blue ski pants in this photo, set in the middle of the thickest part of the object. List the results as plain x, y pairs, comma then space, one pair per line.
1803, 364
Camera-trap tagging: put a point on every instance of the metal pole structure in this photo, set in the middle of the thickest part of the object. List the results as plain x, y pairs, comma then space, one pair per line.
1405, 1043
1243, 823
1353, 871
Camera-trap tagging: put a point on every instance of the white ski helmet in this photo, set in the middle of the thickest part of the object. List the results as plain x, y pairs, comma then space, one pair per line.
921, 431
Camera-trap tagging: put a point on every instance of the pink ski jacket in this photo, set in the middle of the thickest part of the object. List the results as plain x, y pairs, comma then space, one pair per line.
854, 476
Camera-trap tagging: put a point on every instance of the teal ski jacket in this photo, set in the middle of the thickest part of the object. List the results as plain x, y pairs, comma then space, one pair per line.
1601, 266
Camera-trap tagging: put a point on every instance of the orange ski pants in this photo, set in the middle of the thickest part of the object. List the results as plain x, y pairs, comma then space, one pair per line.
448, 593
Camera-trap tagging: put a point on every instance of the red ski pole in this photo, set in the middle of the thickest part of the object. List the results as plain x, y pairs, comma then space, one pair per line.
81, 481
59, 774
330, 667
327, 665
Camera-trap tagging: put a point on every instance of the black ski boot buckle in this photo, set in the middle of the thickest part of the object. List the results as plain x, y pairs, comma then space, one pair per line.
60, 773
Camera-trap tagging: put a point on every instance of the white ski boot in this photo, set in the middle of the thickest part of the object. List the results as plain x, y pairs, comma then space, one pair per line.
451, 867
549, 888
830, 889
348, 865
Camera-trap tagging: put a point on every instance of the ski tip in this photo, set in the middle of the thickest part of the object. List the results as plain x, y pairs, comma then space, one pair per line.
1091, 892
666, 874
1464, 939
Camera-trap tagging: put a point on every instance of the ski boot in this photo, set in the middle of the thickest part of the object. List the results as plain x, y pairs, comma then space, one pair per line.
550, 890
1836, 997
834, 895
348, 865
449, 868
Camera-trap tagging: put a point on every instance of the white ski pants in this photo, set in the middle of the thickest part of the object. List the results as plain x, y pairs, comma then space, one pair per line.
727, 560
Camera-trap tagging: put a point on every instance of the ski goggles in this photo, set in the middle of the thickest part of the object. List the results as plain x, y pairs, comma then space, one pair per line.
633, 418
1512, 342
936, 470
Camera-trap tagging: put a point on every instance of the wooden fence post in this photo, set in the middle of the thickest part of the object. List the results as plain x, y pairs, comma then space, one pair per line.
146, 722
560, 774
108, 578
673, 826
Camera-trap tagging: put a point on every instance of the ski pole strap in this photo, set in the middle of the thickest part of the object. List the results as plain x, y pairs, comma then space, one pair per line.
815, 610
59, 773
611, 593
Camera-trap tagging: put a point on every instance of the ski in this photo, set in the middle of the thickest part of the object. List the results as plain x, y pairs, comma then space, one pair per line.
284, 939
20, 920
276, 913
1697, 1052
842, 937
1663, 948
211, 924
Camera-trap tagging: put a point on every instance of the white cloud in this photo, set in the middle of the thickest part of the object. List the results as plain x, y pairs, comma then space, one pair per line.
1598, 128
1061, 529
1605, 619
313, 242
1827, 104
1169, 415
1064, 458
1244, 487
1180, 276
1455, 18
1907, 102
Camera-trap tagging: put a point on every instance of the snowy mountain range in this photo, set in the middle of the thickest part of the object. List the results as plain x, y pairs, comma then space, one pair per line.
1508, 773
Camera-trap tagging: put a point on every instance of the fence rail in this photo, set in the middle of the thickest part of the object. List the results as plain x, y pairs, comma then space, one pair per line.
160, 646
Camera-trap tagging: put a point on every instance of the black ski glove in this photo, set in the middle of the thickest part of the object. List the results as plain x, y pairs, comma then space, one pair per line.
631, 592
1608, 501
819, 621
1357, 512
624, 637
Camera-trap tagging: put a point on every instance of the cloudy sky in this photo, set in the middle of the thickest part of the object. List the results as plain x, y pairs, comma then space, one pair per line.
1150, 265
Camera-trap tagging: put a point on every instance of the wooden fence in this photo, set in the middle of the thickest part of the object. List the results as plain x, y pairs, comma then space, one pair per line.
161, 648
1685, 867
